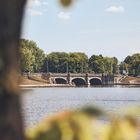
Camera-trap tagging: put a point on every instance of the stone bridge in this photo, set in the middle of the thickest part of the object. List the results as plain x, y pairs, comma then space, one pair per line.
82, 79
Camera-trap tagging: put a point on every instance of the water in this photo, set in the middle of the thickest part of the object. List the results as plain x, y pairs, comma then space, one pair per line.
41, 102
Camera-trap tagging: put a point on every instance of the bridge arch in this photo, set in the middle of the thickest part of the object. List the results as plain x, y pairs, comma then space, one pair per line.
95, 81
60, 81
78, 81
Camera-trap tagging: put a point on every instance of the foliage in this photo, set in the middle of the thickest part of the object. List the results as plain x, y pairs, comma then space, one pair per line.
78, 62
131, 65
110, 65
100, 64
85, 124
27, 59
66, 3
57, 62
61, 62
96, 63
32, 57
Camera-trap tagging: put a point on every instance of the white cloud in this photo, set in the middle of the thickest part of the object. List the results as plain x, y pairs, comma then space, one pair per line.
64, 15
34, 12
115, 9
36, 7
36, 3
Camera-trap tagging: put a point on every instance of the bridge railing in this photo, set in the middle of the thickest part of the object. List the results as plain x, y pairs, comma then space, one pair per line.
31, 74
94, 75
65, 74
58, 74
74, 75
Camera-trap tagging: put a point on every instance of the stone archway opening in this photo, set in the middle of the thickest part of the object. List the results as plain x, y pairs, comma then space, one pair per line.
78, 82
95, 81
60, 81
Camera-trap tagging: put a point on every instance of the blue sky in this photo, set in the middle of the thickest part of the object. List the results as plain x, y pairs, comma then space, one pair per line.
107, 27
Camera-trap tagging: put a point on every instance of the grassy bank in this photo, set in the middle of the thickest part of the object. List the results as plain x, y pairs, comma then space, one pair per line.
130, 80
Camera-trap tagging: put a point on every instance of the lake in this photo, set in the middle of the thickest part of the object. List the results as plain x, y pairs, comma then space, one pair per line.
41, 102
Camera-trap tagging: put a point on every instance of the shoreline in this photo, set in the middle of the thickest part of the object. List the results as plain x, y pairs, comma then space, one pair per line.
45, 86
69, 86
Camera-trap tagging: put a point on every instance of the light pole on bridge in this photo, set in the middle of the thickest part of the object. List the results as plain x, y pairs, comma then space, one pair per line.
67, 67
47, 65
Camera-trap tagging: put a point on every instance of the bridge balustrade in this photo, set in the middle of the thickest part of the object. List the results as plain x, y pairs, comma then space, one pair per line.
74, 74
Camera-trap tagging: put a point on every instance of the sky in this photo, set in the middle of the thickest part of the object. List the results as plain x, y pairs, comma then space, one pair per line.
107, 27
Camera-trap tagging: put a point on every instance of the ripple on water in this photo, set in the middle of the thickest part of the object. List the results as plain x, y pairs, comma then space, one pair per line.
41, 102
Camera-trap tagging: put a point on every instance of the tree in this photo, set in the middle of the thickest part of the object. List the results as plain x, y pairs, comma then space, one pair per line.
114, 65
27, 60
78, 62
36, 56
11, 127
136, 64
96, 64
100, 64
110, 65
133, 64
57, 62
39, 57
62, 62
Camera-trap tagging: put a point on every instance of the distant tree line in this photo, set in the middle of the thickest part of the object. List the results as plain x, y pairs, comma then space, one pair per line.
33, 59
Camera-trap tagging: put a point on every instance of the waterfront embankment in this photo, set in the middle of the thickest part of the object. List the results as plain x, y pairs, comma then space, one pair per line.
129, 80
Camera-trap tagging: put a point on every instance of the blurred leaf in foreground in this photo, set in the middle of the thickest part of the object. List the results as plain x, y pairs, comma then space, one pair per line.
66, 3
85, 124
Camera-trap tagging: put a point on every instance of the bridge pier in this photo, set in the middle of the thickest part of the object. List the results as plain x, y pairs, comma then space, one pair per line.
107, 79
69, 79
87, 80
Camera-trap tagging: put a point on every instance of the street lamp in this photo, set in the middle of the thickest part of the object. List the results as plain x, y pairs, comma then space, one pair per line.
47, 65
67, 67
111, 68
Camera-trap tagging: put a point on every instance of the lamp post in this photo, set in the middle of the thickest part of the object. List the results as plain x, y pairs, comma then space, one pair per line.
81, 67
47, 65
67, 67
103, 67
139, 70
111, 68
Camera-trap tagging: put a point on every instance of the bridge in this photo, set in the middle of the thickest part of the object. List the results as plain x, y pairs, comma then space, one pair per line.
82, 79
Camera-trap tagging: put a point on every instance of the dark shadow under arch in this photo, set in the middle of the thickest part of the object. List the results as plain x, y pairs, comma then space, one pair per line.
60, 81
79, 82
95, 81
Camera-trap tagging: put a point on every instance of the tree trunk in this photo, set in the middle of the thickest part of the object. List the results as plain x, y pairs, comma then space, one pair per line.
11, 12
